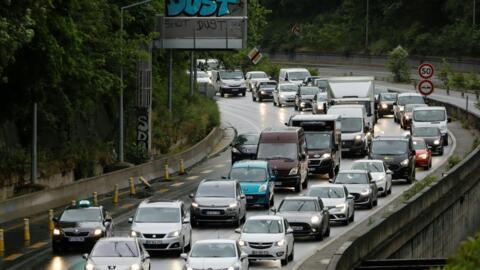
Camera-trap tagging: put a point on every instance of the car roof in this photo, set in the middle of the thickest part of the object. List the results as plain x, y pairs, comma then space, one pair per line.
117, 238
430, 108
294, 69
315, 117
219, 182
263, 217
281, 129
267, 81
248, 134
352, 171
250, 163
326, 185
300, 198
347, 106
206, 241
390, 138
256, 71
287, 83
368, 161
409, 94
160, 203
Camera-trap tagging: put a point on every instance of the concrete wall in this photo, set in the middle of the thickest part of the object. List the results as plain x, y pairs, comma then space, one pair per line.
431, 224
41, 201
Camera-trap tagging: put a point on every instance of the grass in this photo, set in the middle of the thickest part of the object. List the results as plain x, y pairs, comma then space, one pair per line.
453, 161
417, 187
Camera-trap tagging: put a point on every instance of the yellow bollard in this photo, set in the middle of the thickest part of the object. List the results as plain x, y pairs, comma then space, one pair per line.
167, 173
181, 170
95, 199
51, 225
115, 195
132, 187
74, 202
2, 241
26, 229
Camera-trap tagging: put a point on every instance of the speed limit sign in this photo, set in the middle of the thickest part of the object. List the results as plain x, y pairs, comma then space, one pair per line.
426, 71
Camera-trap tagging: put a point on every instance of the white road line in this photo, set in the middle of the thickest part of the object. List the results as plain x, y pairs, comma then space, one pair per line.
206, 171
177, 184
193, 177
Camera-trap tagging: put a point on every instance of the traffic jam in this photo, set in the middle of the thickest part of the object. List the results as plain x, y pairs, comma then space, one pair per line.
334, 118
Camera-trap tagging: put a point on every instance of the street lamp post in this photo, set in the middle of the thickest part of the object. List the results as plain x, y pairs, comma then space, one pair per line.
120, 121
474, 12
366, 25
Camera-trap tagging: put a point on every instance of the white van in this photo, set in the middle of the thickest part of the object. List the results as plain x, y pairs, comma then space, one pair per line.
293, 75
432, 117
230, 82
355, 130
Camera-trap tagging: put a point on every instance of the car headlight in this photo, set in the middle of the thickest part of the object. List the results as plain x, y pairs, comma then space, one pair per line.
326, 155
293, 171
407, 117
89, 266
235, 150
302, 104
134, 234
384, 106
233, 205
98, 232
194, 204
365, 191
423, 156
135, 267
280, 243
262, 188
404, 163
341, 207
282, 95
315, 220
262, 92
173, 234
241, 243
231, 268
56, 232
436, 142
189, 268
358, 138
401, 108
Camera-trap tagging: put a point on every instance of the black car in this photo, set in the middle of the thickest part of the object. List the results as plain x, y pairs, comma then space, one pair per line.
432, 136
385, 103
244, 147
80, 226
376, 93
304, 97
398, 153
263, 90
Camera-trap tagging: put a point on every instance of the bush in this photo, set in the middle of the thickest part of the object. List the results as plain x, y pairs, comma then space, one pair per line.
398, 65
313, 71
444, 72
453, 161
466, 257
417, 187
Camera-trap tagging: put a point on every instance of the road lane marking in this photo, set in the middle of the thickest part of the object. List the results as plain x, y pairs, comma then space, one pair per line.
13, 257
38, 245
177, 184
192, 177
163, 190
220, 165
126, 206
206, 171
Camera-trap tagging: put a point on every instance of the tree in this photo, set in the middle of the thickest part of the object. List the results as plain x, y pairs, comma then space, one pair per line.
398, 64
466, 257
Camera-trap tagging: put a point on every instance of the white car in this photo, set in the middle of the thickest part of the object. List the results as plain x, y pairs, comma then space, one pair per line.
432, 117
162, 225
253, 76
267, 238
215, 254
118, 253
336, 198
203, 77
284, 94
381, 175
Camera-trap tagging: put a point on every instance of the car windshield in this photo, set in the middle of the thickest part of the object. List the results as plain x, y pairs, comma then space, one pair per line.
231, 75
288, 88
249, 174
322, 84
81, 215
410, 107
429, 115
212, 189
297, 206
157, 215
115, 249
258, 75
410, 100
268, 85
352, 125
419, 144
309, 90
389, 147
426, 132
327, 192
368, 166
388, 97
247, 140
351, 178
321, 97
268, 151
297, 75
263, 226
318, 140
213, 250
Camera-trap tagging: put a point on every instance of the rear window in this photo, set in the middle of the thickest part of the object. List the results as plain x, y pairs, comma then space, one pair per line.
351, 178
419, 144
215, 189
429, 115
247, 140
410, 100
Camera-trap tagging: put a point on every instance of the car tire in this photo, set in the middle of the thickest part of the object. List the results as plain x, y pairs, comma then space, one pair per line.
292, 254
56, 248
298, 186
331, 173
260, 99
272, 201
441, 152
296, 107
274, 103
222, 94
370, 205
284, 262
253, 97
244, 93
375, 203
352, 218
327, 232
319, 236
346, 221
429, 164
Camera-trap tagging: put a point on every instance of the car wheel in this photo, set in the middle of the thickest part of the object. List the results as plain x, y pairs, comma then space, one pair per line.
346, 221
296, 107
352, 218
284, 262
319, 236
429, 164
260, 99
331, 173
327, 232
370, 204
441, 152
272, 201
222, 94
292, 254
56, 248
298, 186
375, 203
274, 103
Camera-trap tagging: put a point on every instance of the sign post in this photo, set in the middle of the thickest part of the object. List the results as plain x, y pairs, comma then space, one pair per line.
426, 72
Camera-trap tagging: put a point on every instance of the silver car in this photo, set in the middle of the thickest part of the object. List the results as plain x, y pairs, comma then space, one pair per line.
215, 254
162, 225
336, 198
284, 94
252, 77
381, 175
359, 183
307, 216
119, 253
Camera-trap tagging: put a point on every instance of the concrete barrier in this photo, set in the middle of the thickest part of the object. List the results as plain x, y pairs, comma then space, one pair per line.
41, 201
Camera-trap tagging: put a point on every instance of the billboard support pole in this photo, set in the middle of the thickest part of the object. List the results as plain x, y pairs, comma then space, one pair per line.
170, 79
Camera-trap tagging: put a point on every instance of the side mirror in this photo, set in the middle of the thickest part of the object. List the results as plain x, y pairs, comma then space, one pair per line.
238, 230
243, 256
191, 196
108, 219
394, 103
146, 257
286, 124
274, 210
184, 256
303, 156
350, 197
130, 220
389, 172
55, 219
413, 152
224, 177
242, 196
449, 120
85, 256
186, 220
331, 181
289, 231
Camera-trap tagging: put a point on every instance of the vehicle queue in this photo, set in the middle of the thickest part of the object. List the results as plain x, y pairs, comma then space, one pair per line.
344, 111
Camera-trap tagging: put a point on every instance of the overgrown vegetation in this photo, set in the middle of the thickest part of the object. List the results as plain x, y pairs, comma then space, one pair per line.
453, 160
398, 64
466, 258
418, 186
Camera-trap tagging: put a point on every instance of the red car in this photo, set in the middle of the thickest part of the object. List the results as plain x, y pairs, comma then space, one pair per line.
423, 155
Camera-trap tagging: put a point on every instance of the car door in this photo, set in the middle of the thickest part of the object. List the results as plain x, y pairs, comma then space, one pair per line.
243, 200
186, 227
350, 202
288, 236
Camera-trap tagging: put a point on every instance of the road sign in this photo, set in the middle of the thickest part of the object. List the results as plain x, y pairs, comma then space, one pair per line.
426, 71
296, 30
425, 87
255, 56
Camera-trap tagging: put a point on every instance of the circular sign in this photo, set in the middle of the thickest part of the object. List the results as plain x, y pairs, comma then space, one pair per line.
425, 87
296, 30
426, 71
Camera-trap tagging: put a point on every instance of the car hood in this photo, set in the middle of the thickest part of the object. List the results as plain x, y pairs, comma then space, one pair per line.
262, 237
356, 188
85, 225
298, 216
429, 140
203, 80
318, 153
429, 124
152, 228
390, 159
214, 201
350, 136
332, 202
389, 102
299, 82
251, 187
378, 175
278, 164
287, 94
232, 82
211, 263
120, 263
307, 97
247, 149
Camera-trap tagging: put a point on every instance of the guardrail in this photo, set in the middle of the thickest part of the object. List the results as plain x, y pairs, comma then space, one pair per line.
42, 201
430, 224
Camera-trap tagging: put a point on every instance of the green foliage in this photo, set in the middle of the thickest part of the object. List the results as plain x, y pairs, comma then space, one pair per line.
472, 82
466, 258
313, 71
456, 81
398, 64
444, 72
136, 154
418, 186
453, 160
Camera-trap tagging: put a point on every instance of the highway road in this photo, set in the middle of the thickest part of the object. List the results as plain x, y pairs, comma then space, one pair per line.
247, 117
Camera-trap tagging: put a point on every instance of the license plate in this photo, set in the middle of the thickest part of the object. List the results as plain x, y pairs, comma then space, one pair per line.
76, 239
278, 183
234, 89
249, 197
154, 242
311, 169
297, 228
259, 252
345, 149
213, 213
